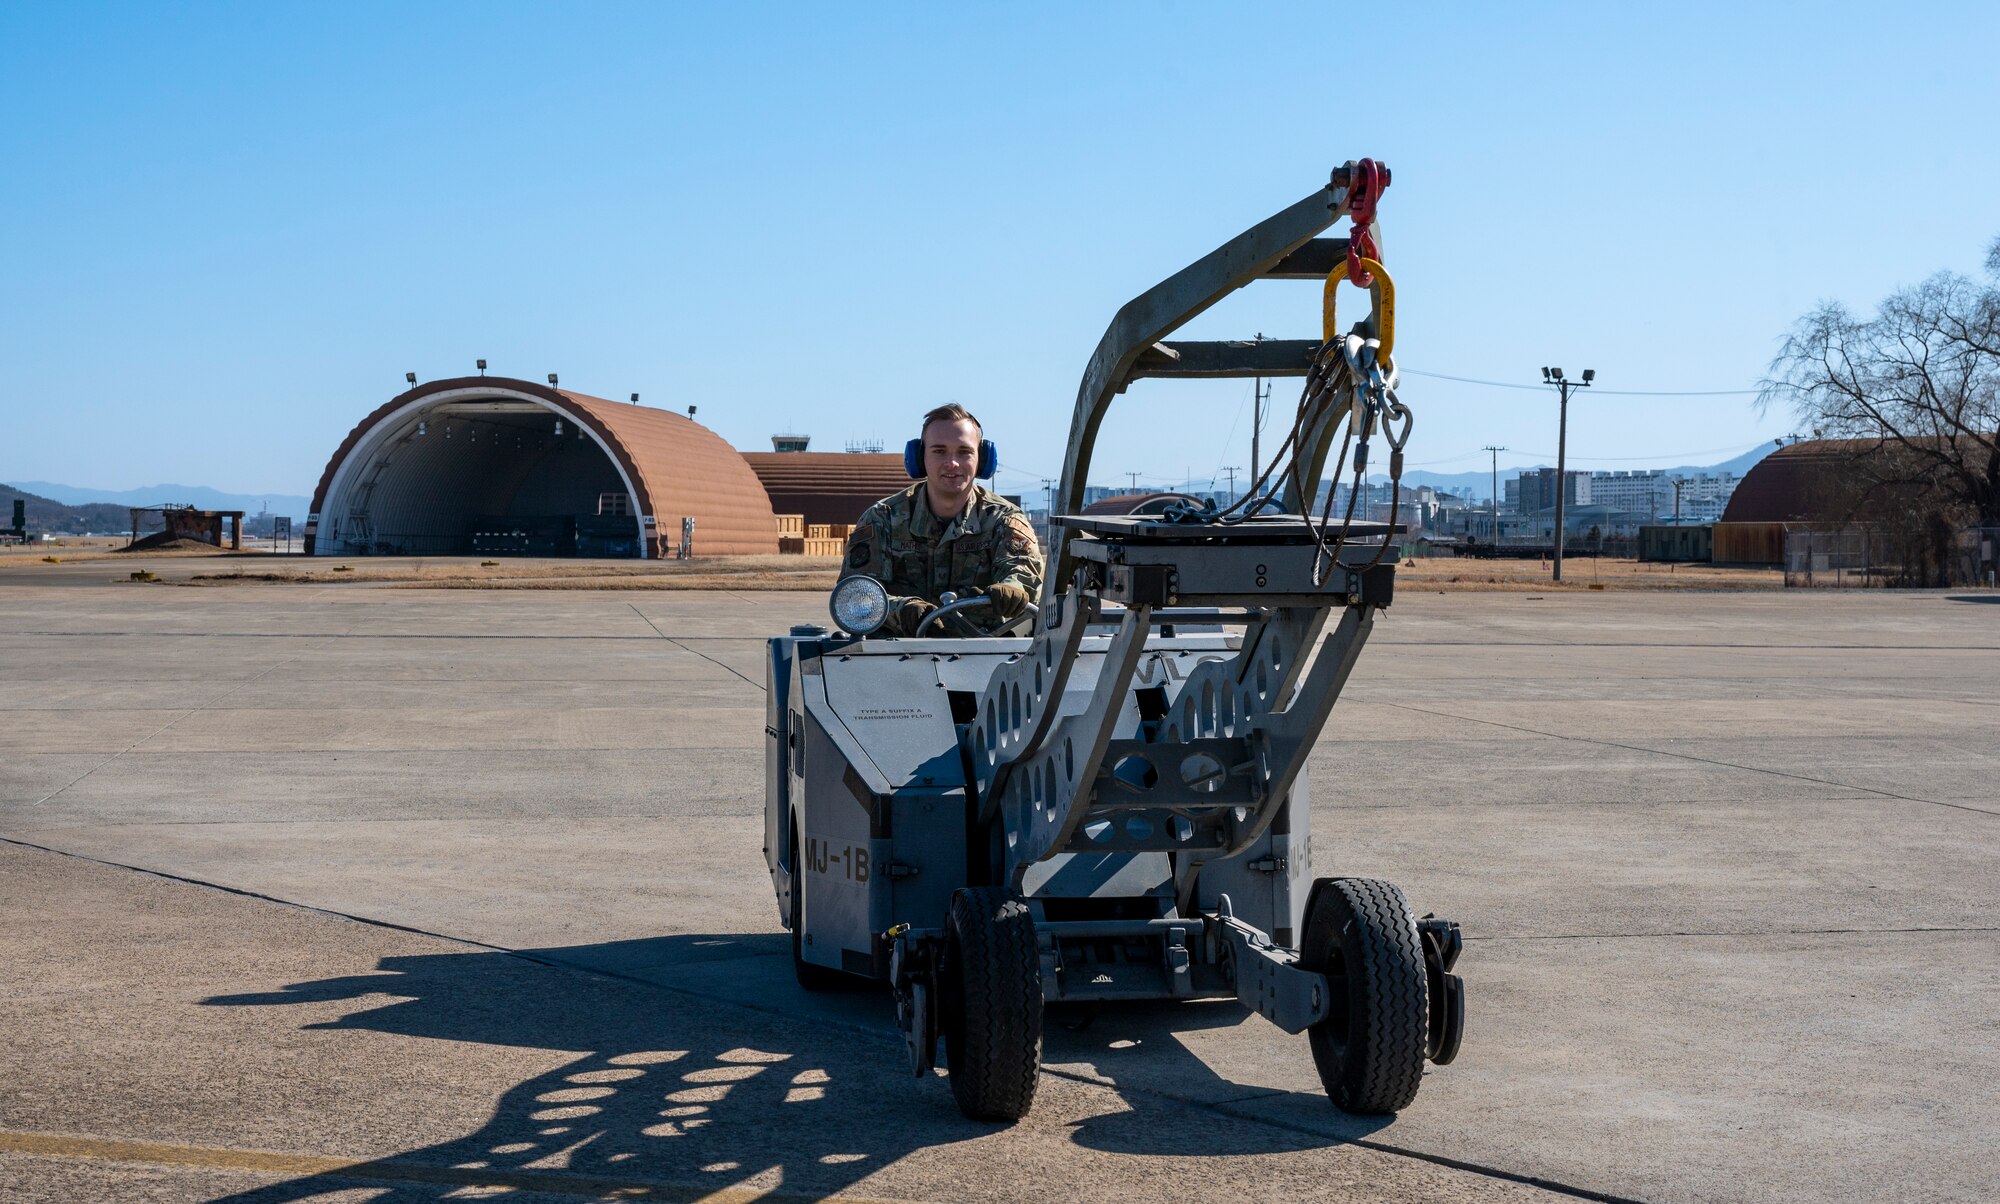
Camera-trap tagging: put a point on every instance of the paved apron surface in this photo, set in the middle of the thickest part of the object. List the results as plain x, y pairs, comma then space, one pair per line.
1726, 865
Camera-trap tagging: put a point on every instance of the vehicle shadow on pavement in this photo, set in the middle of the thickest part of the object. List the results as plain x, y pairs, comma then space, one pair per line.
668, 1090
1140, 1049
679, 1093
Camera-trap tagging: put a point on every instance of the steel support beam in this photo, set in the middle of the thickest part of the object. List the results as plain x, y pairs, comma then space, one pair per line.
1270, 357
1165, 308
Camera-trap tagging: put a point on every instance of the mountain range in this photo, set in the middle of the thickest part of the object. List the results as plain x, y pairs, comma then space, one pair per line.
1475, 485
1479, 485
200, 496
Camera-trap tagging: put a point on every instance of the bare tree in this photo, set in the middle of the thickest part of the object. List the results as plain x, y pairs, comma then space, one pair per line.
1916, 386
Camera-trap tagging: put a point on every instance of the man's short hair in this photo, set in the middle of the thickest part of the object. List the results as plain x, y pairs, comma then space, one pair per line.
951, 411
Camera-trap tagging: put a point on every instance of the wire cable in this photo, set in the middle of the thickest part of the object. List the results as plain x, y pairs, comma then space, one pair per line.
1508, 384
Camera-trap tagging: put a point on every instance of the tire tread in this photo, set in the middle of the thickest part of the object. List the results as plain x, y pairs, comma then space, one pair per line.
1382, 1062
994, 1046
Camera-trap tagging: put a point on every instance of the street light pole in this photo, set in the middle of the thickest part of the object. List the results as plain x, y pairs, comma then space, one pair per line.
1495, 532
1554, 376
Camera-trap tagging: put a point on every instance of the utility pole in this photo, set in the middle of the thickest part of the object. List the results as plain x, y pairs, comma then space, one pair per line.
1231, 470
1256, 420
1678, 482
1048, 496
1554, 376
1495, 533
1135, 481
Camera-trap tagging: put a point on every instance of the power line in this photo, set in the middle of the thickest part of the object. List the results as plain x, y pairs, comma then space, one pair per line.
1655, 456
1502, 384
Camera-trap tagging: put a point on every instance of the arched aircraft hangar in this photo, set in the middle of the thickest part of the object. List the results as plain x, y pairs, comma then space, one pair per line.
487, 465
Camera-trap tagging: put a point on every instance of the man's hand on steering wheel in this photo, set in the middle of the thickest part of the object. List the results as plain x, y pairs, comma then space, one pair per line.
1009, 598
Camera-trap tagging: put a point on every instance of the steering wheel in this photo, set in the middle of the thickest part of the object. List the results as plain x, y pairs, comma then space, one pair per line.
953, 606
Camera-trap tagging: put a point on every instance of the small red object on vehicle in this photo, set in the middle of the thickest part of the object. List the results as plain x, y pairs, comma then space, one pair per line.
1366, 189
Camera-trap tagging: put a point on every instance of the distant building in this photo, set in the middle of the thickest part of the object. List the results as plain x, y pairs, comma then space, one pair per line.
1124, 504
826, 487
480, 465
1641, 491
1704, 498
1536, 490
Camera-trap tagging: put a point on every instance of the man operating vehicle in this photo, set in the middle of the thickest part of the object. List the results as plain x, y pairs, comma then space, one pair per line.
945, 533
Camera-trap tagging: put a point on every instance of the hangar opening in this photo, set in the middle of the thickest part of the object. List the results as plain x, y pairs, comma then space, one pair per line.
491, 466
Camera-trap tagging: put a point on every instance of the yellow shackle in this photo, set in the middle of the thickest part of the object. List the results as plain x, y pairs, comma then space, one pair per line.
1383, 293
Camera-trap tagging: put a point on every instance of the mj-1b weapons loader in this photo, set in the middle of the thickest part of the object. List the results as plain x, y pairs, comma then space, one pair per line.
1112, 804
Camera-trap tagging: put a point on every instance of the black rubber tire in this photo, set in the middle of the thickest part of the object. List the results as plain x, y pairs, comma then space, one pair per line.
992, 1006
811, 977
1359, 932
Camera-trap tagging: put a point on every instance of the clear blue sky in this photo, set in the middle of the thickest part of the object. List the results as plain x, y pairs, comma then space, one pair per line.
230, 229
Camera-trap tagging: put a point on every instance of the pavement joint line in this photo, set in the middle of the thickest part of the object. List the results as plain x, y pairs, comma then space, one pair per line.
243, 892
96, 825
373, 820
350, 634
1498, 644
396, 1170
1667, 752
1743, 935
1553, 1186
223, 697
676, 643
859, 1029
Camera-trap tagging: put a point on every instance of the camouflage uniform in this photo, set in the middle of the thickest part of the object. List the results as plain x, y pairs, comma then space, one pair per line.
914, 554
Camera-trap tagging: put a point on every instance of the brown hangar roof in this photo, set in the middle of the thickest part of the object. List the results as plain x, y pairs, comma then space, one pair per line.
1810, 481
678, 468
1137, 503
827, 487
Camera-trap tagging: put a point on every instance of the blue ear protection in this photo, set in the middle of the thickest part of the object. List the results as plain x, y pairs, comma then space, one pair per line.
913, 459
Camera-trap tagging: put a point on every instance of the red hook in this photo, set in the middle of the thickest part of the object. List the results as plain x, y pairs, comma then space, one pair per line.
1364, 189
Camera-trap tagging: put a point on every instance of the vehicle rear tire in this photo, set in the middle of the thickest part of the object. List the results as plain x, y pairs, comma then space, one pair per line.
992, 980
1369, 1050
811, 977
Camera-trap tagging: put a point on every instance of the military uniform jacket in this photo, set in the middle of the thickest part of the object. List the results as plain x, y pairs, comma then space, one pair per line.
913, 553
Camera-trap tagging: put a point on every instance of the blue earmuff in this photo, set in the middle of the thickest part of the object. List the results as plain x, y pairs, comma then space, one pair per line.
913, 459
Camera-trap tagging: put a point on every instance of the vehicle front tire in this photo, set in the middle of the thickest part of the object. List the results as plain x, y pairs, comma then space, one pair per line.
992, 977
1369, 1050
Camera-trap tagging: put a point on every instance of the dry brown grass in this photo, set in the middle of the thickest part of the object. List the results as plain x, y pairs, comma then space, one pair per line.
758, 573
1523, 576
81, 548
722, 572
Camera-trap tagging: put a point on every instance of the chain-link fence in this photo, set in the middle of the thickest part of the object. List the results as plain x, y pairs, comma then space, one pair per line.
1875, 558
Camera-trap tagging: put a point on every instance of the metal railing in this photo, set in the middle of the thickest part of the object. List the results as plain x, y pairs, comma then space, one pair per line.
1892, 558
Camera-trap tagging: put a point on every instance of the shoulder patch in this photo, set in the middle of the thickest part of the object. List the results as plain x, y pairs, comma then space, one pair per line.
1020, 537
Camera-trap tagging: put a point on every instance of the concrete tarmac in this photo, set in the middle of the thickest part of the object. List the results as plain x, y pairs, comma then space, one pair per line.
1726, 865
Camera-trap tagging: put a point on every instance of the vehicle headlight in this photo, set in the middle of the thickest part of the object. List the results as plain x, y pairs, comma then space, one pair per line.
859, 605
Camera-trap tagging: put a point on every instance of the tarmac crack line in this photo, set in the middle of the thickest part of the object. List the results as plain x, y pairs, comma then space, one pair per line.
1651, 936
1493, 644
1665, 752
870, 1031
393, 1170
683, 647
211, 703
